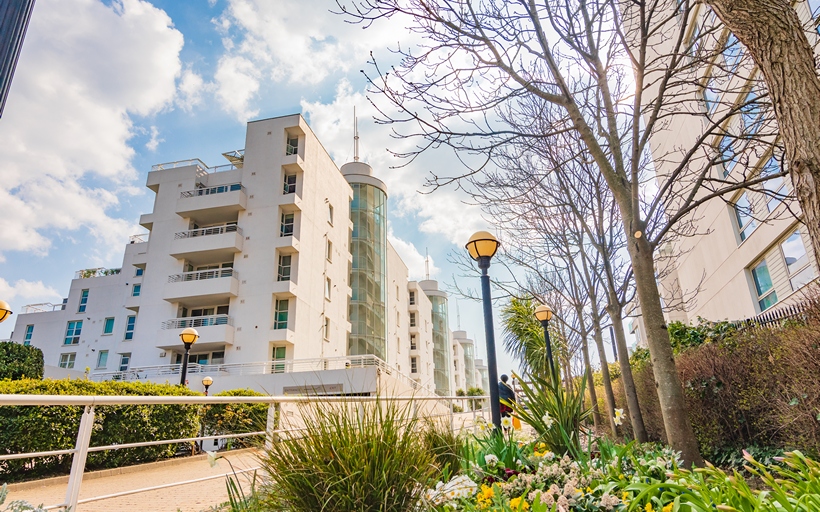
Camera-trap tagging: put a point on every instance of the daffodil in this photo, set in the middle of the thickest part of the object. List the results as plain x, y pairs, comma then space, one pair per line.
668, 508
506, 422
548, 421
490, 459
619, 416
648, 508
519, 504
212, 458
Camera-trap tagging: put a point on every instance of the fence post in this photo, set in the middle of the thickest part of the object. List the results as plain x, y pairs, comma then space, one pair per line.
78, 459
452, 416
274, 413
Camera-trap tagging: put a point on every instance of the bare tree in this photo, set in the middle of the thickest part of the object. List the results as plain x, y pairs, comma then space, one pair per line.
498, 73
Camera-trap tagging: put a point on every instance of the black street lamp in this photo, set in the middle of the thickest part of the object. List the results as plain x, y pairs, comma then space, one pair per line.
207, 381
5, 310
543, 314
482, 247
188, 337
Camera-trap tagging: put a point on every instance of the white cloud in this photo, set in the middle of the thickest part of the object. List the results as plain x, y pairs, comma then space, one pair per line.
237, 82
413, 259
70, 114
191, 87
154, 141
22, 289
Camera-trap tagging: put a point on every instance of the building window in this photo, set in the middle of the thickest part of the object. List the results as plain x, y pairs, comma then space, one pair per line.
412, 319
135, 291
287, 225
29, 334
413, 345
751, 111
108, 325
728, 153
330, 213
218, 357
328, 286
766, 296
398, 318
414, 365
775, 187
290, 184
278, 358
67, 360
125, 360
329, 251
327, 328
711, 95
743, 213
293, 146
283, 274
280, 320
732, 52
797, 261
83, 301
72, 332
102, 359
412, 298
130, 324
139, 271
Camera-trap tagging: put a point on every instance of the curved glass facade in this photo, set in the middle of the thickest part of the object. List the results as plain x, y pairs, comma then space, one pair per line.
469, 364
441, 346
368, 244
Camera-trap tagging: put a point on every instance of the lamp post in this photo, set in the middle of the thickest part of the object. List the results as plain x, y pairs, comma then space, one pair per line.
188, 337
482, 247
5, 310
207, 381
543, 314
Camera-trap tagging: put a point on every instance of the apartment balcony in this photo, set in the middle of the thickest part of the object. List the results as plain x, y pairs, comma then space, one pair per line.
293, 163
132, 303
212, 204
284, 289
147, 221
202, 287
291, 203
217, 243
287, 244
215, 331
282, 336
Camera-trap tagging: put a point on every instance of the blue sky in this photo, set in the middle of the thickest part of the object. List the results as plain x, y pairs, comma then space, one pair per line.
105, 89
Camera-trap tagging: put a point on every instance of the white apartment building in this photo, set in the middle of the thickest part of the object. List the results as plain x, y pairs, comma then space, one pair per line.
258, 256
750, 253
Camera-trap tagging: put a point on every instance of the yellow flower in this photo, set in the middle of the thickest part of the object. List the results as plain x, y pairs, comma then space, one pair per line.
518, 504
621, 477
589, 489
649, 508
486, 492
668, 508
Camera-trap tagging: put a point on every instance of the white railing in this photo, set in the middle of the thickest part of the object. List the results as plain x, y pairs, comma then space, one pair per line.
207, 191
212, 230
138, 239
197, 321
180, 163
223, 167
198, 275
442, 407
96, 272
43, 307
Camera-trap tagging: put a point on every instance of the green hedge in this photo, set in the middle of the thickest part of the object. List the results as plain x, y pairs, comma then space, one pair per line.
34, 428
235, 418
20, 361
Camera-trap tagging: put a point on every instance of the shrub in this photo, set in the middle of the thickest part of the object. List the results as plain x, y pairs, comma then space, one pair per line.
20, 361
235, 418
366, 457
34, 428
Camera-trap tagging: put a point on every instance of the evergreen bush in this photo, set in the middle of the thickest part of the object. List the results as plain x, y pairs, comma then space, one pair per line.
20, 361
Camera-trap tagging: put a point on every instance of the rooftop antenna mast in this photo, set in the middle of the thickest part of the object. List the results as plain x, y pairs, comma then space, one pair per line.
355, 136
426, 264
458, 316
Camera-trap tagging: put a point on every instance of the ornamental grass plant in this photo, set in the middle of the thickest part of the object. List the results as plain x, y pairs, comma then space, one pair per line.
350, 457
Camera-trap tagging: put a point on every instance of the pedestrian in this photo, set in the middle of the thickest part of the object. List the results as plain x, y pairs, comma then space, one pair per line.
505, 393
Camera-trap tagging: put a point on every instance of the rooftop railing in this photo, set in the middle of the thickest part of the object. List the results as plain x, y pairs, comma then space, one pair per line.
207, 191
180, 163
197, 321
43, 307
198, 275
96, 272
138, 239
212, 230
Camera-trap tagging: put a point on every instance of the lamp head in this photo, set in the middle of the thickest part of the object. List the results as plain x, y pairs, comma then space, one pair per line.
207, 381
189, 336
482, 244
5, 310
543, 313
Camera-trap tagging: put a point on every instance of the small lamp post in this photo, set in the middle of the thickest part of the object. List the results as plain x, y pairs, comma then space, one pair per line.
543, 314
207, 381
5, 310
482, 247
188, 337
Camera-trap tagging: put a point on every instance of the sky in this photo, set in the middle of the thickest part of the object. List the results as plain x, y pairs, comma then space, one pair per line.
105, 89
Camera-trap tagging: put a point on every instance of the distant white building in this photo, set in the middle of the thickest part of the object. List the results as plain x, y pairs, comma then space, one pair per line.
279, 260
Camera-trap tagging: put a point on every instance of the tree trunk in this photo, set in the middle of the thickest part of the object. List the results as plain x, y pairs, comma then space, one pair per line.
672, 403
635, 416
593, 395
608, 394
774, 36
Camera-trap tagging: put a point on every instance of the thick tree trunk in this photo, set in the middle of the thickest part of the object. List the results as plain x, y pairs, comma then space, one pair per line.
676, 423
593, 395
635, 416
774, 35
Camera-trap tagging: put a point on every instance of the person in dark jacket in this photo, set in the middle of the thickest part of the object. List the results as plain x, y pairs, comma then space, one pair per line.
505, 392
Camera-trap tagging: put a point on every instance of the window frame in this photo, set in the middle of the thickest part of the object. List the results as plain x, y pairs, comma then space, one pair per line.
106, 330
125, 362
288, 187
281, 313
83, 305
413, 322
329, 251
751, 224
73, 331
284, 224
805, 265
130, 327
100, 358
763, 296
67, 360
328, 287
136, 289
280, 268
29, 332
414, 364
330, 214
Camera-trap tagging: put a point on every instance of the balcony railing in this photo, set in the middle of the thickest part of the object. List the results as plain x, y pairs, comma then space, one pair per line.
198, 275
96, 272
207, 191
138, 239
180, 163
213, 230
197, 321
43, 307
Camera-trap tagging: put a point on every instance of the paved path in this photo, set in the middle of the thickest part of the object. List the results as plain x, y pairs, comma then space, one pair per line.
187, 498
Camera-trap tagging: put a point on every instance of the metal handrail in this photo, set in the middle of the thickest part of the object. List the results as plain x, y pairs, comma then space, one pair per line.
43, 307
216, 189
198, 275
197, 321
222, 168
138, 239
179, 163
211, 230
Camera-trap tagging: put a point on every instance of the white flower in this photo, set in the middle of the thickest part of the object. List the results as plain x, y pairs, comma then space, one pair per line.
619, 416
212, 457
519, 463
547, 419
490, 459
506, 422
